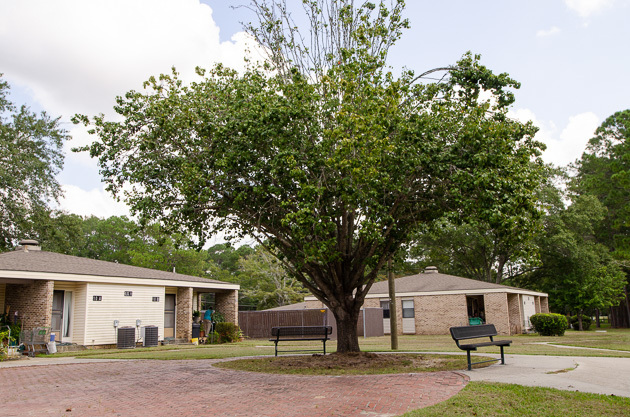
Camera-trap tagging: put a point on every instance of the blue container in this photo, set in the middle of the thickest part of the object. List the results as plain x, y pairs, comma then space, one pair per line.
52, 337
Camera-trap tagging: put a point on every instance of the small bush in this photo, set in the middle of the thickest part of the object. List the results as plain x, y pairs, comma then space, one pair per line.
586, 322
549, 324
228, 332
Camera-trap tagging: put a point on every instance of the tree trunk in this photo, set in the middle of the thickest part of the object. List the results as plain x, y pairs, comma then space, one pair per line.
347, 336
597, 318
501, 265
580, 328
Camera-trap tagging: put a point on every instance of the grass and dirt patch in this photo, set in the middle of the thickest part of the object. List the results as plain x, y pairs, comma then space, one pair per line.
483, 399
363, 363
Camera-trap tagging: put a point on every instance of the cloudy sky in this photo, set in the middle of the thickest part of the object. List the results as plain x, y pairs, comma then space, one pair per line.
76, 56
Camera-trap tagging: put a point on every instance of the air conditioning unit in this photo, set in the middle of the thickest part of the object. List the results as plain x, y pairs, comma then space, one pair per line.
126, 338
149, 336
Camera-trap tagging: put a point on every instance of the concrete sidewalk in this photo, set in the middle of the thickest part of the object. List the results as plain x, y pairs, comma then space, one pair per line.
610, 376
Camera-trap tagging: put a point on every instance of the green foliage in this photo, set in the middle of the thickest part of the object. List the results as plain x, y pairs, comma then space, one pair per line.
218, 317
119, 239
227, 332
604, 172
329, 159
576, 271
16, 329
266, 281
549, 324
30, 158
586, 322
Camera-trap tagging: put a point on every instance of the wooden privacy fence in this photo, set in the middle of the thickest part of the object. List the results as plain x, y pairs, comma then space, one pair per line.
258, 324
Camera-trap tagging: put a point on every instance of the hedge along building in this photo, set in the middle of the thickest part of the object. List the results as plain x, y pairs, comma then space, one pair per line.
85, 301
431, 303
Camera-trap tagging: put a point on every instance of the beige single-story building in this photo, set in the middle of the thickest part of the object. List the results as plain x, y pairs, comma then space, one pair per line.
85, 301
431, 303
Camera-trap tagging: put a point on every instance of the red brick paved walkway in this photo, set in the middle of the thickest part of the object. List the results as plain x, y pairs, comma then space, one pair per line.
195, 388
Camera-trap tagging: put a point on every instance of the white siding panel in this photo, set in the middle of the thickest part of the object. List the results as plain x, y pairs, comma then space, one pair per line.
3, 288
114, 305
80, 314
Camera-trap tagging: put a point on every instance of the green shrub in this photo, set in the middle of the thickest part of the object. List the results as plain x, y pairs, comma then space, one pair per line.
549, 324
586, 322
228, 332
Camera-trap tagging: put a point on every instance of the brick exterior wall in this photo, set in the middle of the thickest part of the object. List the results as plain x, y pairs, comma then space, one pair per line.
33, 302
544, 305
497, 312
515, 314
537, 300
226, 303
183, 313
373, 302
435, 314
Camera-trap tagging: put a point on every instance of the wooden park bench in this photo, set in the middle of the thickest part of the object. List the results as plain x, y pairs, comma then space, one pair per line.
476, 332
300, 333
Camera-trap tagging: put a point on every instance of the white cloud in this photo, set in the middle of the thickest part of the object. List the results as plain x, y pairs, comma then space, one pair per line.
586, 8
76, 55
97, 202
567, 145
550, 32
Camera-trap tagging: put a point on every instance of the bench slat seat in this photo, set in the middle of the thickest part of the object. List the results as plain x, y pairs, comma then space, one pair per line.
476, 332
474, 346
300, 333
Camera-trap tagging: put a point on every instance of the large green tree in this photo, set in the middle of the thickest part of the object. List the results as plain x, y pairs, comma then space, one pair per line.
323, 154
604, 171
30, 158
578, 272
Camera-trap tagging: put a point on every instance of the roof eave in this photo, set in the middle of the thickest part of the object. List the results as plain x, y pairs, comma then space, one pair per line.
52, 276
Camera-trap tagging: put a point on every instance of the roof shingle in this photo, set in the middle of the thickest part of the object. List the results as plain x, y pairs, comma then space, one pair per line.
50, 262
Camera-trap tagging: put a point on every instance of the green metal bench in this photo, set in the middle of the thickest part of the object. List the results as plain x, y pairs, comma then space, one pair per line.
477, 332
300, 333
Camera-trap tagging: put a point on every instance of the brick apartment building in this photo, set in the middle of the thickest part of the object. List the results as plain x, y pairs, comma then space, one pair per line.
431, 302
84, 301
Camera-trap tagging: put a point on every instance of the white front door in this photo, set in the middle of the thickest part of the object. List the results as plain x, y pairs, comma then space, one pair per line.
529, 309
61, 315
409, 317
169, 315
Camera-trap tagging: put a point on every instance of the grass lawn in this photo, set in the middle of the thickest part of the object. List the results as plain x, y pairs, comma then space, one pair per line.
484, 399
617, 339
524, 344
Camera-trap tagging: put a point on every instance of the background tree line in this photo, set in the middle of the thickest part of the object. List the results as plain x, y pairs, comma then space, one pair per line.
579, 249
